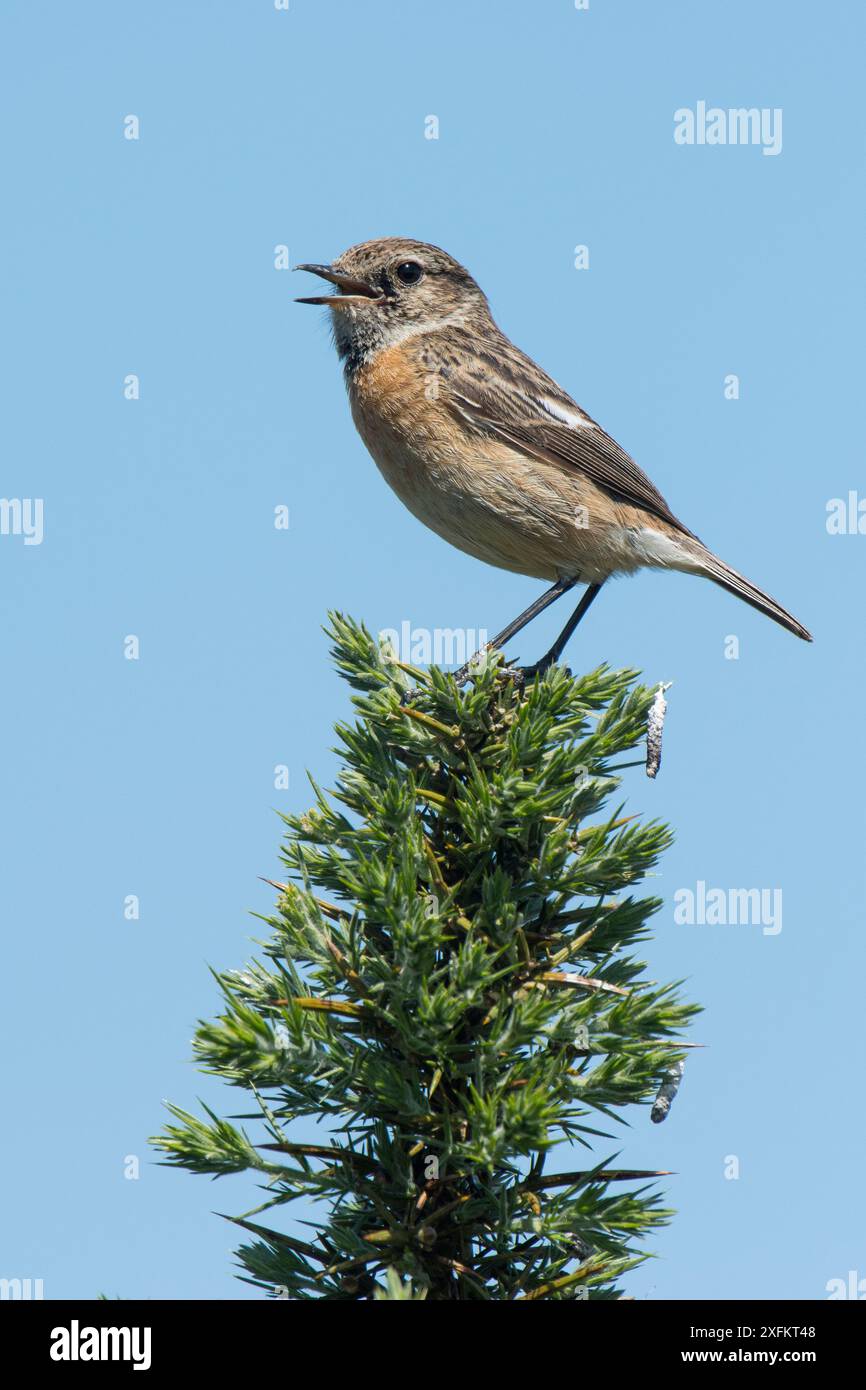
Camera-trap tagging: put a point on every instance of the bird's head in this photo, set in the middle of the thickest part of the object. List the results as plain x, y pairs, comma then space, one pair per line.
393, 288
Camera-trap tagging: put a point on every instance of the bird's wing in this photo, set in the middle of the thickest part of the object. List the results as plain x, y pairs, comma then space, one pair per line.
492, 385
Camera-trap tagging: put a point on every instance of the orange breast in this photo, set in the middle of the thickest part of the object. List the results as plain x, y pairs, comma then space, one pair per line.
390, 395
480, 493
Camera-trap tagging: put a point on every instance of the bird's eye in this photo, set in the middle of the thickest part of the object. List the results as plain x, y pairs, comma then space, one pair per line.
409, 273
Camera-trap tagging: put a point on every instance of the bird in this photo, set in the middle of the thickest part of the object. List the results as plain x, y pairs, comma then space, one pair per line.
488, 450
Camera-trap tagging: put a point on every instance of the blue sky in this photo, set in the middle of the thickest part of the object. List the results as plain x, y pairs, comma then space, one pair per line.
155, 777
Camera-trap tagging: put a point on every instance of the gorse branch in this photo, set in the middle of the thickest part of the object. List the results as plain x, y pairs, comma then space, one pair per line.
450, 993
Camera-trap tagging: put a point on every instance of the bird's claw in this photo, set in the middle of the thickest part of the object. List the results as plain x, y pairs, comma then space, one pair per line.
525, 675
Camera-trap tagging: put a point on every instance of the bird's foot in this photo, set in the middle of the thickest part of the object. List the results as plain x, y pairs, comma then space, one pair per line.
475, 664
527, 674
521, 675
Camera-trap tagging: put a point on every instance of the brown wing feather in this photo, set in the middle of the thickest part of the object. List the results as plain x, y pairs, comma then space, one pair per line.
490, 383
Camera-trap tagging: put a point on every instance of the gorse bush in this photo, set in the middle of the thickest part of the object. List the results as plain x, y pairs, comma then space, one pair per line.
449, 993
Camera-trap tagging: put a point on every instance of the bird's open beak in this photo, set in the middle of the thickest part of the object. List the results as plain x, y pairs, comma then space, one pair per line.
352, 291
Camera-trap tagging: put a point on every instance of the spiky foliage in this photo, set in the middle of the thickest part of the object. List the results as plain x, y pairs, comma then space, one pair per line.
450, 992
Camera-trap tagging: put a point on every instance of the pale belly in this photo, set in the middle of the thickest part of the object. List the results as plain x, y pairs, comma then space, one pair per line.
520, 514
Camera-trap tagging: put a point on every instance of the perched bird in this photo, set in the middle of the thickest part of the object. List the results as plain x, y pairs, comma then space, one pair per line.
486, 449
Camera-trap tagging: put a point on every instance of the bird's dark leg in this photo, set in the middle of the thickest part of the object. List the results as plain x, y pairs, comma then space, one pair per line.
539, 668
549, 596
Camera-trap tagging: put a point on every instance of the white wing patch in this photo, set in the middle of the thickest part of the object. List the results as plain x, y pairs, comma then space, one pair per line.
564, 416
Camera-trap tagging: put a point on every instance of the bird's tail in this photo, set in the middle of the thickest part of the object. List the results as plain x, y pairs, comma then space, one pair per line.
735, 583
